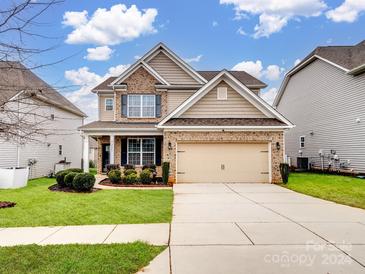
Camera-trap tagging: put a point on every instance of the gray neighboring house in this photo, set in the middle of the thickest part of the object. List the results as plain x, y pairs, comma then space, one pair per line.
324, 96
64, 142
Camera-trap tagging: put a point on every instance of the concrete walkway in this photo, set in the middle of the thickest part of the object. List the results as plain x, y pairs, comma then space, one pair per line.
155, 234
260, 228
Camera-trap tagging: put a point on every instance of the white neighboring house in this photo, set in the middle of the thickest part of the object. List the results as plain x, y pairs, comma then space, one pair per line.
324, 96
51, 111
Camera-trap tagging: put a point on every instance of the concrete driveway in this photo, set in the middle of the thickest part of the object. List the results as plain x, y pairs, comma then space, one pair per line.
262, 228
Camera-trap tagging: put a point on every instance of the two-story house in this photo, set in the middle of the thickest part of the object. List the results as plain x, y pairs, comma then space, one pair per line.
324, 95
211, 126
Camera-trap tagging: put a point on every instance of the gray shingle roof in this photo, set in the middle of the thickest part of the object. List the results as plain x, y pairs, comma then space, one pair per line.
348, 57
224, 122
14, 77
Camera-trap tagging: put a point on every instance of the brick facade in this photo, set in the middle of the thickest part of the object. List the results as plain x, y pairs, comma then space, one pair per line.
241, 137
140, 82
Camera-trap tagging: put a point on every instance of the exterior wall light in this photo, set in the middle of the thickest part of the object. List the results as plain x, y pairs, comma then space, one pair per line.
277, 145
169, 146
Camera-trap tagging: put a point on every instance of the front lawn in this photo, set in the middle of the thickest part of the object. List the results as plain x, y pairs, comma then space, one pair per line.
38, 206
340, 189
114, 258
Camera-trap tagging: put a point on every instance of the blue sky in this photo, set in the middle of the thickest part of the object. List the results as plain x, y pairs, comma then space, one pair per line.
263, 37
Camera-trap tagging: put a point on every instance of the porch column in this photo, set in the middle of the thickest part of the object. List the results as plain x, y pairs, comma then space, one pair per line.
111, 152
86, 154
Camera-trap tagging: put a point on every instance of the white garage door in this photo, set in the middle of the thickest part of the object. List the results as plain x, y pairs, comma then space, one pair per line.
222, 162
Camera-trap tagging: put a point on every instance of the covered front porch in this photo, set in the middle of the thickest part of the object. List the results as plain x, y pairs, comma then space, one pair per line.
138, 145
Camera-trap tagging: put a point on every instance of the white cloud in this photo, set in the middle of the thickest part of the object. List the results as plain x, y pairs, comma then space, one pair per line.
99, 53
275, 14
269, 96
214, 23
348, 11
86, 80
137, 57
271, 72
194, 59
110, 27
297, 61
240, 31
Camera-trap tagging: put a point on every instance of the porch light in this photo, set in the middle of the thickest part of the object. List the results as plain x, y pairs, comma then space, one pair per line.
170, 146
277, 145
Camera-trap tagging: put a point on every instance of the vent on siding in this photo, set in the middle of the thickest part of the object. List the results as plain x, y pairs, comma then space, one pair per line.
221, 93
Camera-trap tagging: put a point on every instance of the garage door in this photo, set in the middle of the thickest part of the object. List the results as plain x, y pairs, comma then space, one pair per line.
215, 163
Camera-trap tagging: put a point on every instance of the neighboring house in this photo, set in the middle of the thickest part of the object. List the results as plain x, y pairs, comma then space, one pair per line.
211, 125
324, 96
55, 120
93, 150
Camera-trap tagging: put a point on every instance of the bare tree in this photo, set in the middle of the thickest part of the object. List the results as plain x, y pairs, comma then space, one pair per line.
25, 99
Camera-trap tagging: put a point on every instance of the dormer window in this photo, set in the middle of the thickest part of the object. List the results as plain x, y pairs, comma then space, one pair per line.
222, 93
109, 104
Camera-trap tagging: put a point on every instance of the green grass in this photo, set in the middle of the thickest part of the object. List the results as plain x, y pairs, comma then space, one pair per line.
114, 258
340, 189
38, 206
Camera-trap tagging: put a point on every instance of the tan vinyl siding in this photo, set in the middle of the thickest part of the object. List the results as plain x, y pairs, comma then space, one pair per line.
234, 107
325, 100
104, 114
176, 98
170, 71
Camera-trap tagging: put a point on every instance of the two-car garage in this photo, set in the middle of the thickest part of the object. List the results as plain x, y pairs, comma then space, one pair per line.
223, 163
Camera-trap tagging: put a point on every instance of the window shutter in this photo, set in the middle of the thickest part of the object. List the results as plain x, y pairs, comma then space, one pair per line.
124, 105
124, 151
158, 106
158, 151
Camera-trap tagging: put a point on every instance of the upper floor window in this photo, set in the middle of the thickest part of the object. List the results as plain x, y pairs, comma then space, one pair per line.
109, 104
302, 141
141, 106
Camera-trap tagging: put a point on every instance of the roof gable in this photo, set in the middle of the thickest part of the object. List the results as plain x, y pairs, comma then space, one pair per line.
247, 94
149, 55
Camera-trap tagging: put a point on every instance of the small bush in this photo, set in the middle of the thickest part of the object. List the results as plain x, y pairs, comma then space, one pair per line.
165, 172
284, 171
129, 171
77, 170
150, 167
91, 164
115, 176
83, 182
111, 167
128, 167
131, 179
69, 178
60, 177
145, 176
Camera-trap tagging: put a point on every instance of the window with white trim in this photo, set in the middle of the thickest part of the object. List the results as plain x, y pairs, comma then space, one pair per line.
302, 141
142, 106
141, 151
109, 104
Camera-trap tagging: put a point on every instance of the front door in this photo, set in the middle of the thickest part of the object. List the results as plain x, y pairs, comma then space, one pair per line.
105, 155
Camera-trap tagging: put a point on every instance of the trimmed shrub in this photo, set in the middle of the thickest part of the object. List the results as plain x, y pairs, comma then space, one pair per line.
69, 178
150, 167
77, 170
127, 166
284, 171
91, 164
145, 176
60, 177
165, 172
112, 167
129, 171
131, 179
115, 176
83, 182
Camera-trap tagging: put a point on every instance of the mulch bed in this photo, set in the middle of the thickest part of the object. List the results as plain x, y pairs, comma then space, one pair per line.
4, 204
107, 182
56, 187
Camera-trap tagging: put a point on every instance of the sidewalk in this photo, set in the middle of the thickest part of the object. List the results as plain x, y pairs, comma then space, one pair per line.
154, 234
